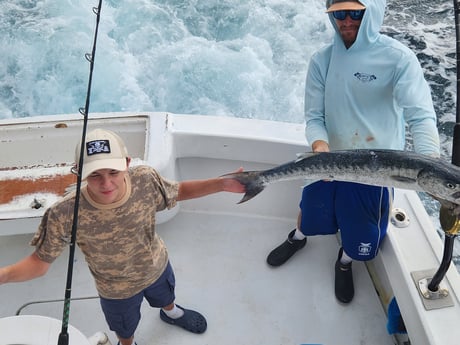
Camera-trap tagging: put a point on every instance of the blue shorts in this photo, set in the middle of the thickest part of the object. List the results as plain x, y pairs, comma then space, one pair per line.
361, 212
123, 315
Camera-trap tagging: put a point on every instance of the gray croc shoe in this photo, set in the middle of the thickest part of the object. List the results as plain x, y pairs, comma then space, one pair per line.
192, 321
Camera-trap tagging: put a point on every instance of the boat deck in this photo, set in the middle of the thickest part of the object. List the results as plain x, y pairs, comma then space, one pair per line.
217, 248
220, 268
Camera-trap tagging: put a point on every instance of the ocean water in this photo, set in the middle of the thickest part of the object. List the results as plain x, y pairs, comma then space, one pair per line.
231, 58
240, 58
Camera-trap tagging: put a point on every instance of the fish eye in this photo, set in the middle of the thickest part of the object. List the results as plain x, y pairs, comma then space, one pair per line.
451, 185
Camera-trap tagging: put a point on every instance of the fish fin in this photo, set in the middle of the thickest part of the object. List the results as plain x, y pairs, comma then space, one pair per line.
404, 179
302, 155
251, 181
250, 194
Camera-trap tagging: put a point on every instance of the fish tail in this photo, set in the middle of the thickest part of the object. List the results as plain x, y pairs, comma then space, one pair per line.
252, 182
251, 192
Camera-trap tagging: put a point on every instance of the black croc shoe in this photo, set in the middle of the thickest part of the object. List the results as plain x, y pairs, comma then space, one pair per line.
344, 288
191, 321
284, 251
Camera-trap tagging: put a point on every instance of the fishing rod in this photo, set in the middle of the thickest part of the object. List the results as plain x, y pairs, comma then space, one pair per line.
64, 335
450, 223
456, 136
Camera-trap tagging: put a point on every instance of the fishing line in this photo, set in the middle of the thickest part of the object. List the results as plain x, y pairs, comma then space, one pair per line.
64, 335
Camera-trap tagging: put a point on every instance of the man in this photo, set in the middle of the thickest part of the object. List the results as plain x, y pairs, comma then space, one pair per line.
360, 92
116, 233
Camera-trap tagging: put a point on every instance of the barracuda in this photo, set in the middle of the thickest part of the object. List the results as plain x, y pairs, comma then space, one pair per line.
389, 168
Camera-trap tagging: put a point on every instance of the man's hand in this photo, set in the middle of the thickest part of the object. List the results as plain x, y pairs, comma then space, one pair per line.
232, 185
320, 146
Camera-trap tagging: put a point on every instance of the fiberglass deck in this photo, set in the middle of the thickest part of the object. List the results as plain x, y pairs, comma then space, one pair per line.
219, 261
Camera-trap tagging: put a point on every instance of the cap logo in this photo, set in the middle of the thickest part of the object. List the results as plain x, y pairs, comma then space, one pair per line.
97, 146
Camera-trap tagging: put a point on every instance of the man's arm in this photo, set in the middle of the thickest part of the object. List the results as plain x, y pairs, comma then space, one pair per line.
26, 269
197, 188
418, 107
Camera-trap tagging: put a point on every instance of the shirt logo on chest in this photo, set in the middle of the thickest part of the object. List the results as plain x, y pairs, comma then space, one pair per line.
364, 77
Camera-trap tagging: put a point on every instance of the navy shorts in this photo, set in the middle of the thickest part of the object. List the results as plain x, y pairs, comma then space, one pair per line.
361, 213
123, 315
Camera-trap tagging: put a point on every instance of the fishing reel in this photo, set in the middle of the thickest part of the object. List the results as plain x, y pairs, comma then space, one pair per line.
450, 222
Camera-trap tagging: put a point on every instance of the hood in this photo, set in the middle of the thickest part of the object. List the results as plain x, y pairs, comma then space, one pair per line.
371, 23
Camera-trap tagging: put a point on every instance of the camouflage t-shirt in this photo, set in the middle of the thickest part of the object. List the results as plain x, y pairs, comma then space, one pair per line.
122, 249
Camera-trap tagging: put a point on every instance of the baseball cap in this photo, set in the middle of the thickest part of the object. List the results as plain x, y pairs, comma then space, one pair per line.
103, 149
339, 5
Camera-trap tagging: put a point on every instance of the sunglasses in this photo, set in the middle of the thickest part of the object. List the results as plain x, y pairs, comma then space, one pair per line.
354, 14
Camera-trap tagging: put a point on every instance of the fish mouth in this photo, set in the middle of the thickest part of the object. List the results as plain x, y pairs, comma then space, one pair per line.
456, 197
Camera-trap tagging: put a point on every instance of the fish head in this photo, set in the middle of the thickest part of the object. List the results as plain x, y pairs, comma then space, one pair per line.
442, 183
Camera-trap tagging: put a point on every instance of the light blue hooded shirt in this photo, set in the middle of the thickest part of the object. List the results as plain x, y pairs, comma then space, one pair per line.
361, 97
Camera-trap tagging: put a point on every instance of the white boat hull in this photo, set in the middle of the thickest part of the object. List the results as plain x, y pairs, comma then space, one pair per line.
218, 248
